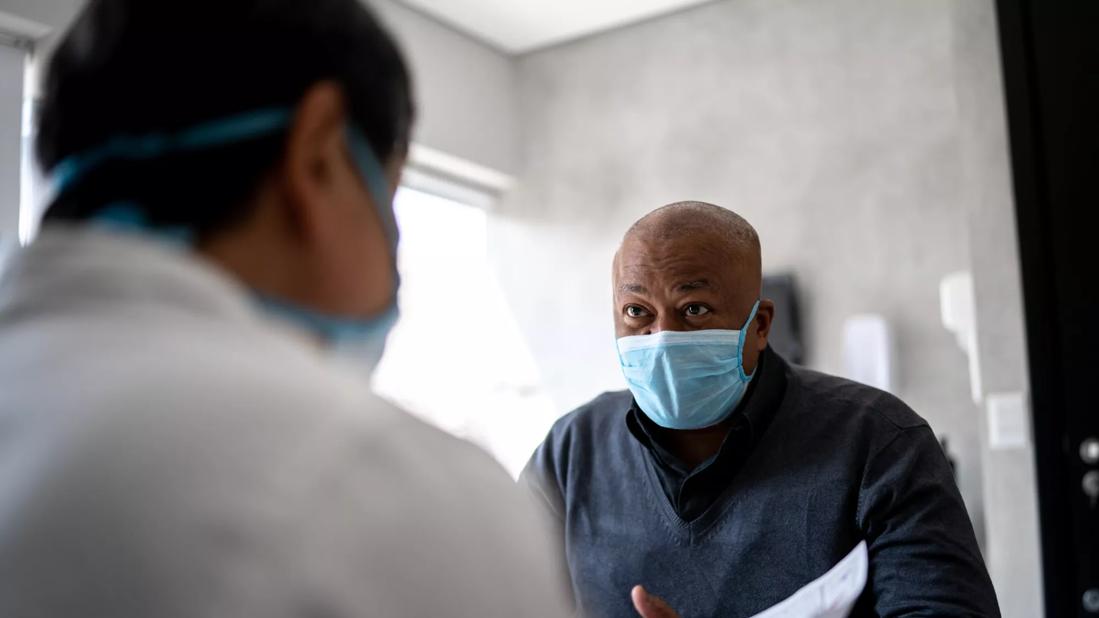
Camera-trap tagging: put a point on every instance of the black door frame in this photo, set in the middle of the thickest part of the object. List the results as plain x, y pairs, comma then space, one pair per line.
1050, 51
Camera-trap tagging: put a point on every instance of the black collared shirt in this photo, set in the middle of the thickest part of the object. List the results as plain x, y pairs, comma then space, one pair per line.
692, 491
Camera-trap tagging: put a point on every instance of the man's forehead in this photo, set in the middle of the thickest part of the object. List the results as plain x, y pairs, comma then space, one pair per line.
699, 258
683, 274
689, 246
641, 285
695, 262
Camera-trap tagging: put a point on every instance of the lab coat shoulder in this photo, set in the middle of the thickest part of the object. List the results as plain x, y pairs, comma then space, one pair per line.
230, 469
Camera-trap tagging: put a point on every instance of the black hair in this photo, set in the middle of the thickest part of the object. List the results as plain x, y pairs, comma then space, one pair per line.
133, 67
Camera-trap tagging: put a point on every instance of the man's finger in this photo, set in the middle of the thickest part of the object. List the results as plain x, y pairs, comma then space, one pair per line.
650, 606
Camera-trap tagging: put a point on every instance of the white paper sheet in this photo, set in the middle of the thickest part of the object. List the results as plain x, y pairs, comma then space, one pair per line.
831, 595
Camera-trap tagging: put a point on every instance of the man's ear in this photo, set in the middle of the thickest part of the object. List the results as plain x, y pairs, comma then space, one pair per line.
314, 157
765, 316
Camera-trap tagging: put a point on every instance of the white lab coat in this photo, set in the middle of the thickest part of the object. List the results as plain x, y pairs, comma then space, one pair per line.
167, 450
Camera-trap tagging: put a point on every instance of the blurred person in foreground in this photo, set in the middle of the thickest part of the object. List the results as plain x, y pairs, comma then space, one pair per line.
725, 479
185, 414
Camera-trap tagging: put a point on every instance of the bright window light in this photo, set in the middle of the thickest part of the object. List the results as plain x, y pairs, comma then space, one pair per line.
457, 358
33, 194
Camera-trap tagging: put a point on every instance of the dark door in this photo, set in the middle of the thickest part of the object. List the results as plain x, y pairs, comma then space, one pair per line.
1051, 75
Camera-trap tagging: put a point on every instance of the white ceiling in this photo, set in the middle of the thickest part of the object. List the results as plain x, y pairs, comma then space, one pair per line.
518, 26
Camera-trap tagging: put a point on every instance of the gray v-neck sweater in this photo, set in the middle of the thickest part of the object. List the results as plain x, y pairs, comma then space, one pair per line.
835, 463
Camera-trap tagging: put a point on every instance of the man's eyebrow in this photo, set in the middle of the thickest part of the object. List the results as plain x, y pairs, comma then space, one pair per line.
697, 284
632, 288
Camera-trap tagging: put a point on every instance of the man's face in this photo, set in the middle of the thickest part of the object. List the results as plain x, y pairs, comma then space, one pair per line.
686, 283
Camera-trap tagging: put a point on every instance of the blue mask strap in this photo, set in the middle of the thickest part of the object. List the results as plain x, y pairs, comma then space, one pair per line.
751, 316
373, 176
743, 338
231, 130
239, 128
223, 131
129, 217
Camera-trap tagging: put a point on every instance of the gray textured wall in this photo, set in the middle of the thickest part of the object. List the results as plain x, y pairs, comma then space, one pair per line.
832, 126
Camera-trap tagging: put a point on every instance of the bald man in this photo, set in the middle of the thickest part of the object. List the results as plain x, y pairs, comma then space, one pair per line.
725, 479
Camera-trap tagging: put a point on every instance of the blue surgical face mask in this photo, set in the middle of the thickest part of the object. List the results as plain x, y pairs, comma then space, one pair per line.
687, 379
361, 339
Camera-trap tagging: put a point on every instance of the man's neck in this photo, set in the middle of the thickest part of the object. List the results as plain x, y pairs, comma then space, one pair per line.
695, 446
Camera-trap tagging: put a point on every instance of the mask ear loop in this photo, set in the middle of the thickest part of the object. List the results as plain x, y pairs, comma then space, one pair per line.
373, 176
740, 344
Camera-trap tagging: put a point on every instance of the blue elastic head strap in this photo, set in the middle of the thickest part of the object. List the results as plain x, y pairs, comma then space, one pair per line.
221, 132
129, 216
240, 128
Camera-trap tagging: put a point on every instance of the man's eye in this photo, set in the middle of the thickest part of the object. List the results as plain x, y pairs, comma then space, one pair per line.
634, 311
697, 309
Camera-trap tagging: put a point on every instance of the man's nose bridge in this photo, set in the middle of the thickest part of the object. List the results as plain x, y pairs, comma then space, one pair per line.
665, 320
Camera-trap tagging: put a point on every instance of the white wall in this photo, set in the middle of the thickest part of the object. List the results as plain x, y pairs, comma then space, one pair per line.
466, 90
832, 126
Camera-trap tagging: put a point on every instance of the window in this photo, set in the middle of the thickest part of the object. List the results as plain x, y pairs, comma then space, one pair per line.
22, 186
457, 357
33, 195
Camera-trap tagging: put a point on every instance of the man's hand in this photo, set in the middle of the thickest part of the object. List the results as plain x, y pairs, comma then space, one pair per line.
650, 606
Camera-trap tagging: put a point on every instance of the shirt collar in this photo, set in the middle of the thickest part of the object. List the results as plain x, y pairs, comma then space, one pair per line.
70, 267
753, 413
